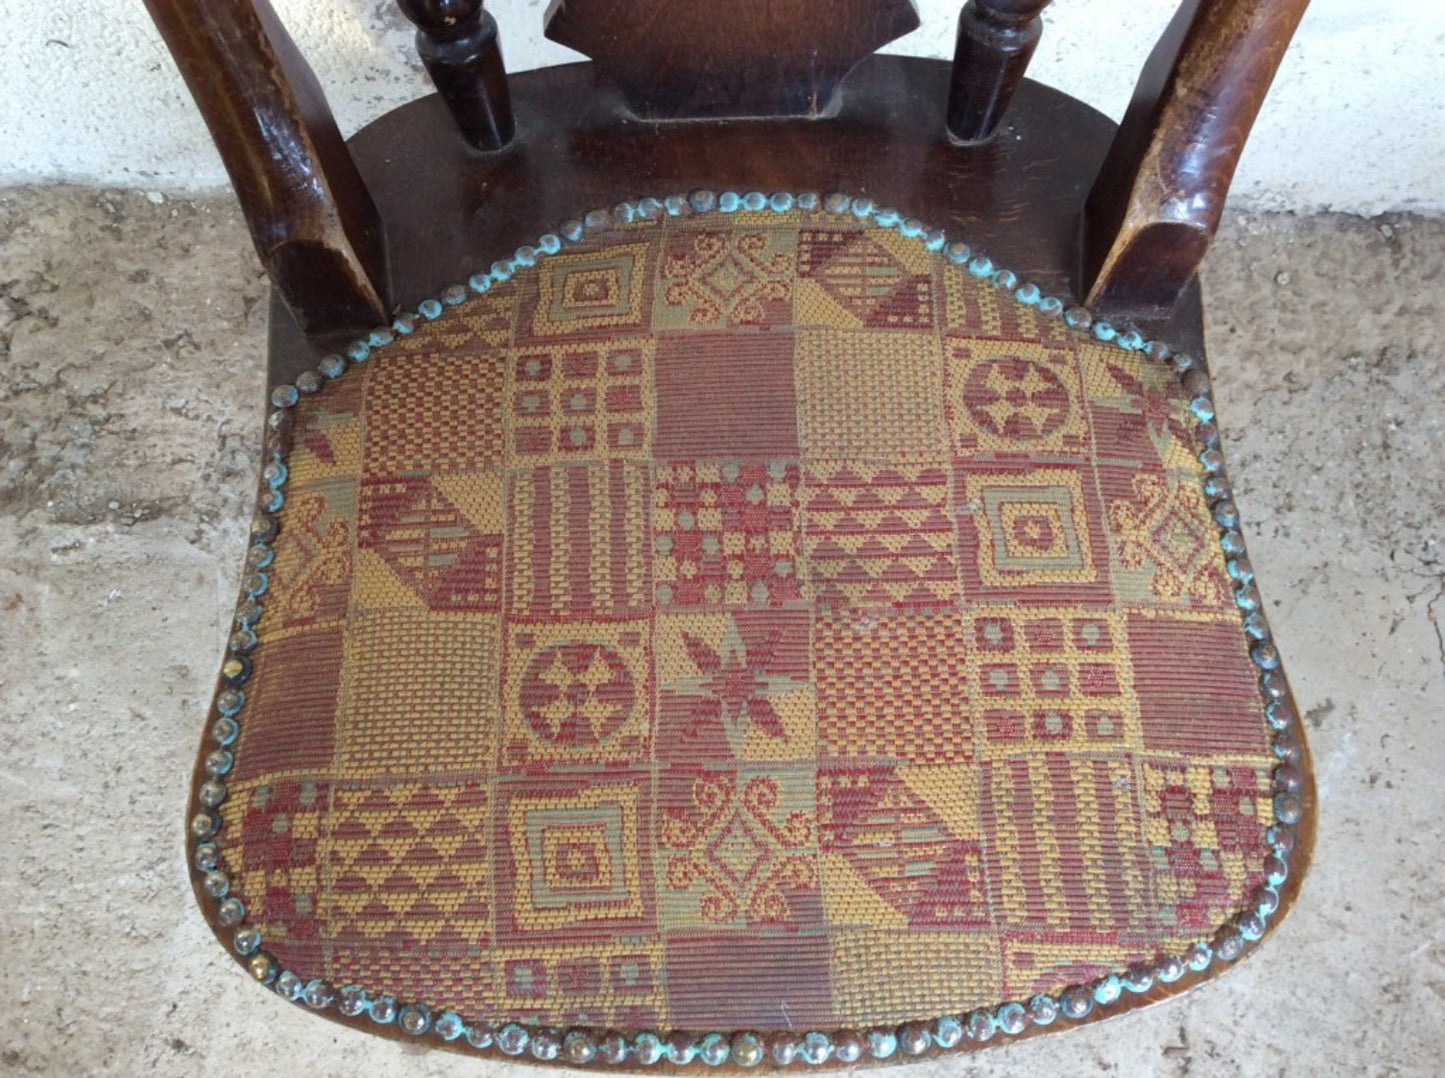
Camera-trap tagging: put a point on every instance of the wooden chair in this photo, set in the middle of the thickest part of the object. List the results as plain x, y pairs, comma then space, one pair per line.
711, 611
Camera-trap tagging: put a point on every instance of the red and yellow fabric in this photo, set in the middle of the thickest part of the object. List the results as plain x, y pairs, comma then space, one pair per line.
745, 622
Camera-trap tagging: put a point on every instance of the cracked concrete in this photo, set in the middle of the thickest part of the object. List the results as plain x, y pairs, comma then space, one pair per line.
131, 342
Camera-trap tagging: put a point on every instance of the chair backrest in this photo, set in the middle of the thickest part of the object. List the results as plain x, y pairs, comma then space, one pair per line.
1147, 222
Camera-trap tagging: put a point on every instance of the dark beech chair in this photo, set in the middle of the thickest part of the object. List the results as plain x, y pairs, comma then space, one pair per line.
744, 569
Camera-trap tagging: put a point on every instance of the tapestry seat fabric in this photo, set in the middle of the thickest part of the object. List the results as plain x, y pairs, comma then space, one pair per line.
745, 621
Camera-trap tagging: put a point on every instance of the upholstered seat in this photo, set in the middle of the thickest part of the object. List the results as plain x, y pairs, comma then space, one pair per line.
754, 616
741, 625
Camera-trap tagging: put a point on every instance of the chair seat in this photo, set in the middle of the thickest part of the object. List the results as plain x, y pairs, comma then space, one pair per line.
753, 621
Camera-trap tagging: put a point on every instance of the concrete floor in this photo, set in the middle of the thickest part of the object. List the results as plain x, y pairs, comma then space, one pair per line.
132, 340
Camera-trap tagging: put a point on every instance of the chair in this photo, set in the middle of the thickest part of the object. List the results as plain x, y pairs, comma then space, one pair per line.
744, 569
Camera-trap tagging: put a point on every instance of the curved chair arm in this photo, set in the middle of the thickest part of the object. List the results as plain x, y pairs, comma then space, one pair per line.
1157, 201
315, 226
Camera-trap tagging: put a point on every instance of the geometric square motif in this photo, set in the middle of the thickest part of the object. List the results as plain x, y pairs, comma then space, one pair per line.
738, 847
1167, 540
899, 846
854, 279
1065, 844
726, 534
734, 686
870, 395
1032, 529
1205, 831
1169, 697
429, 541
576, 693
408, 860
726, 279
1052, 680
418, 687
572, 400
1019, 398
575, 860
573, 855
893, 686
725, 396
1028, 529
578, 539
460, 396
600, 290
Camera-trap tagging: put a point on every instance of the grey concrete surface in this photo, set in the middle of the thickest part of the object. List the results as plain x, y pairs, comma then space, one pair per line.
131, 344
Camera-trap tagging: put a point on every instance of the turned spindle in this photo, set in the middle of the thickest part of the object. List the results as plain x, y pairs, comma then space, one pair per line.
457, 41
996, 38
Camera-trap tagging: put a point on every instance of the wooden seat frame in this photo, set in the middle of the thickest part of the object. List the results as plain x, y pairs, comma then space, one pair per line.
352, 231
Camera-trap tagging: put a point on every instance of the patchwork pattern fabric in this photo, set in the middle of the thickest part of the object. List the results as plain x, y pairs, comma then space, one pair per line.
745, 622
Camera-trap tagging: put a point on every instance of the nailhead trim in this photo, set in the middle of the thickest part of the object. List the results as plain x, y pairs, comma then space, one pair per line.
582, 1046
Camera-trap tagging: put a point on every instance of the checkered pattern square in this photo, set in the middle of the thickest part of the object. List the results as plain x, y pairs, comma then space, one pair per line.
892, 686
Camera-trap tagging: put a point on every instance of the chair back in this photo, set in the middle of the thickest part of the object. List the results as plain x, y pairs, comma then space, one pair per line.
1145, 226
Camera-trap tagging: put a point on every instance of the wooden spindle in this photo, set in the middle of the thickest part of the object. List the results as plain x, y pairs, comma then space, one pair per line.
996, 38
315, 226
1159, 195
457, 40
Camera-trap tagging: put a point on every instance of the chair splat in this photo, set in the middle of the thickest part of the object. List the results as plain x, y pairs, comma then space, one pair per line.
1148, 221
689, 59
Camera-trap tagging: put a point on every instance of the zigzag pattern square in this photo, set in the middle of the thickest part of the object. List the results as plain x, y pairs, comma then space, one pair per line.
880, 535
408, 867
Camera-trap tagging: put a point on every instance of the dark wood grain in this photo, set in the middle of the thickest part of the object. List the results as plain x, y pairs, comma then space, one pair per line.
1156, 204
457, 42
313, 221
682, 59
996, 39
1018, 199
449, 210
